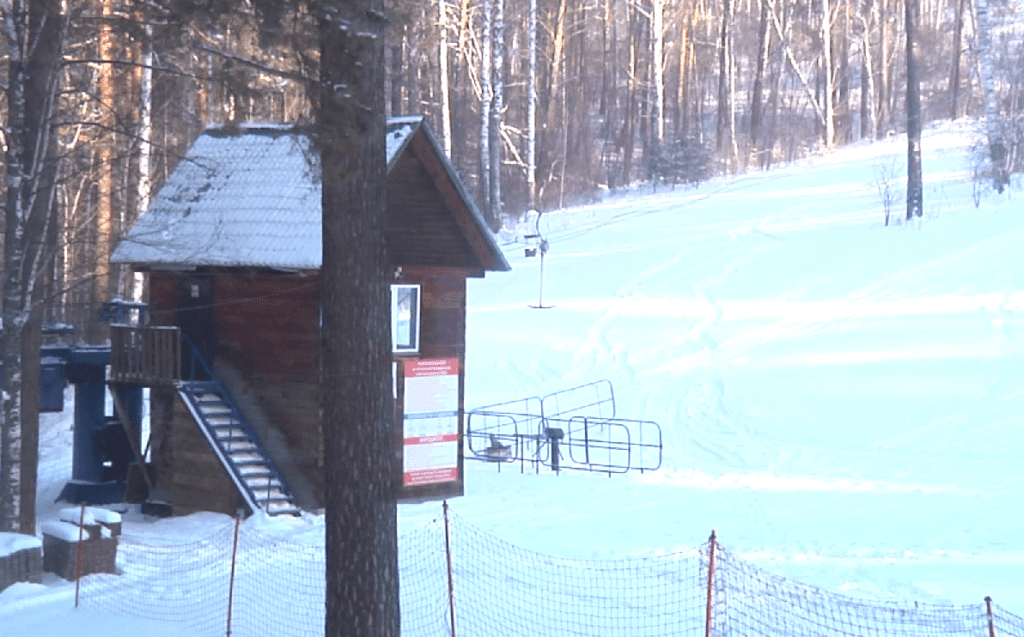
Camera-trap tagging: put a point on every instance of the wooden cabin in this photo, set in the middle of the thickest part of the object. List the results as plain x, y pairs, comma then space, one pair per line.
232, 245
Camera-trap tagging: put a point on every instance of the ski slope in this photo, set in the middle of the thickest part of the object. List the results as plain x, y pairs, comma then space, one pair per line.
841, 401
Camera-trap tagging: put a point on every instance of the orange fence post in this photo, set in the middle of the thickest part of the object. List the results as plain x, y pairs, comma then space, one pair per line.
448, 555
78, 554
231, 585
711, 581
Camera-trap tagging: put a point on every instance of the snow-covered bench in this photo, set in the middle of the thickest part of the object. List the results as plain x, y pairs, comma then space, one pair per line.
98, 533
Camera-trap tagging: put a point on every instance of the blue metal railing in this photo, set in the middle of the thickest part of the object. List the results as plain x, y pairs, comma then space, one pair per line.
194, 357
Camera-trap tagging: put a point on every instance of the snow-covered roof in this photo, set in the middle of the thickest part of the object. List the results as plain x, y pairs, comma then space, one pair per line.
249, 195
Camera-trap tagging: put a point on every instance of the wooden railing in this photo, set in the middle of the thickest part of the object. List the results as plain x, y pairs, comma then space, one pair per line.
145, 354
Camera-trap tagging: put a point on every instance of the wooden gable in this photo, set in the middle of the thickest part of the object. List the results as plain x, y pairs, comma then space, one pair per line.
430, 222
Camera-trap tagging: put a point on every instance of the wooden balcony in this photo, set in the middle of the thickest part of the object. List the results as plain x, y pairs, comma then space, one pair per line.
145, 354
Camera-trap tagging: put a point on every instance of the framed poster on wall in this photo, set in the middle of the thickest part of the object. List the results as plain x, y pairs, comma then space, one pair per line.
430, 424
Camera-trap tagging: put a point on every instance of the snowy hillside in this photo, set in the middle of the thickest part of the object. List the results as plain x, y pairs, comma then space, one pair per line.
842, 401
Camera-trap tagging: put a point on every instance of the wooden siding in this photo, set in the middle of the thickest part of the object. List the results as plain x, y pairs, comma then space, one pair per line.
268, 330
269, 323
420, 228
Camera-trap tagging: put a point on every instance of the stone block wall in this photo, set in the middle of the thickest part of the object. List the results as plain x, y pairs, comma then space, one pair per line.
98, 535
21, 559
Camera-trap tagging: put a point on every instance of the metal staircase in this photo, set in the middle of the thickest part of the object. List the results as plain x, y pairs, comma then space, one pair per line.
234, 442
236, 445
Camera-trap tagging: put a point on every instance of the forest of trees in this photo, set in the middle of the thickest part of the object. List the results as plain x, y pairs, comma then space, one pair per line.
540, 103
625, 90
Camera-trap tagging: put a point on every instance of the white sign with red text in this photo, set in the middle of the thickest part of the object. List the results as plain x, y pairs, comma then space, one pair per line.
431, 421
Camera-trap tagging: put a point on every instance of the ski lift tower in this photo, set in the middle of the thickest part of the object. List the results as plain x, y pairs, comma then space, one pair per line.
538, 244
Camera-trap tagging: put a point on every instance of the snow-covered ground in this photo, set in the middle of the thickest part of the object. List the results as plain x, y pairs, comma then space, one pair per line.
840, 400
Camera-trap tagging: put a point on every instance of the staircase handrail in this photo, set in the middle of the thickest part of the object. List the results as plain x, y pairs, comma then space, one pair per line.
196, 356
215, 386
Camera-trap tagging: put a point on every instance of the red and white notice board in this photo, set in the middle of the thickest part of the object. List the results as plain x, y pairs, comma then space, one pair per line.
431, 421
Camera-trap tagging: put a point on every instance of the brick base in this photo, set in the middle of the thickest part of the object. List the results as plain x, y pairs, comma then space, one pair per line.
21, 566
99, 555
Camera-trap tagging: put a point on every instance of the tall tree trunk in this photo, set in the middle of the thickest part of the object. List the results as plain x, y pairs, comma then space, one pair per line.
954, 71
629, 123
996, 145
841, 49
826, 48
884, 88
145, 141
360, 470
915, 189
756, 109
497, 106
46, 23
442, 58
658, 53
395, 77
682, 120
721, 128
486, 99
33, 47
551, 126
531, 111
868, 118
98, 332
17, 176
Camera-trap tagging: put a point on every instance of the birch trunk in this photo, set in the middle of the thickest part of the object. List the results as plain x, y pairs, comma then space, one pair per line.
14, 315
996, 147
868, 118
442, 59
486, 98
497, 106
33, 35
145, 183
